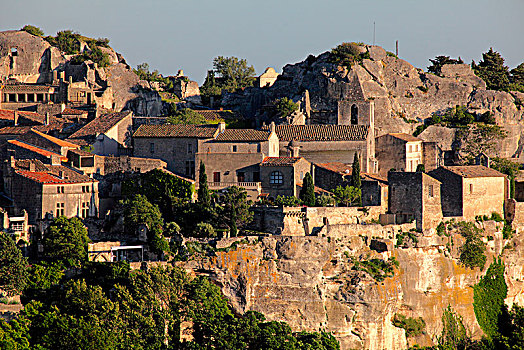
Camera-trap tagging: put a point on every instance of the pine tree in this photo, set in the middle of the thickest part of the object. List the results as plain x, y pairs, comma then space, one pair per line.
307, 193
355, 176
492, 70
203, 190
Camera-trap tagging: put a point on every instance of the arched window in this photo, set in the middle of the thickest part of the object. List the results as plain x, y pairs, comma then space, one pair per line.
276, 178
354, 114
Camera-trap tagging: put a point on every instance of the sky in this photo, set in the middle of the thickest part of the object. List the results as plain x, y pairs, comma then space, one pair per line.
187, 34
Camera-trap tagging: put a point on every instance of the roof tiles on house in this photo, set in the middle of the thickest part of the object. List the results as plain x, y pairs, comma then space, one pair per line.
57, 141
318, 132
37, 150
7, 114
71, 111
280, 161
178, 130
100, 125
474, 171
405, 137
213, 115
243, 135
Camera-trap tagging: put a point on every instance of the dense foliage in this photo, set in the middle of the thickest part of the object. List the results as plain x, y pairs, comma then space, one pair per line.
204, 197
307, 192
288, 201
355, 176
110, 307
492, 70
69, 42
473, 252
13, 266
439, 61
347, 195
186, 116
65, 241
33, 30
412, 326
142, 70
347, 54
285, 107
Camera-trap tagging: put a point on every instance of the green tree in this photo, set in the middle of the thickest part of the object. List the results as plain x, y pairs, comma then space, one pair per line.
234, 73
454, 335
473, 252
204, 197
65, 240
347, 54
516, 78
13, 266
285, 107
233, 204
33, 30
355, 176
66, 41
492, 70
509, 168
307, 192
511, 334
186, 116
479, 138
439, 61
288, 201
210, 86
346, 195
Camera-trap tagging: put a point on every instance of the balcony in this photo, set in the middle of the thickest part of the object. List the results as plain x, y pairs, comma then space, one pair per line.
253, 188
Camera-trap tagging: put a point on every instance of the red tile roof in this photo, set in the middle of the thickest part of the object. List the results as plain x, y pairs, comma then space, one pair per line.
37, 150
7, 114
43, 177
59, 142
404, 137
473, 171
25, 87
49, 174
100, 125
71, 111
319, 132
243, 135
178, 130
280, 161
215, 114
347, 169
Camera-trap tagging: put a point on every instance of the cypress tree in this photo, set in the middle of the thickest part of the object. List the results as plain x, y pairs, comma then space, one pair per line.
203, 190
355, 176
307, 193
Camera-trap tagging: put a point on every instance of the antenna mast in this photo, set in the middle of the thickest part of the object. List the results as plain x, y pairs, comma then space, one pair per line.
374, 33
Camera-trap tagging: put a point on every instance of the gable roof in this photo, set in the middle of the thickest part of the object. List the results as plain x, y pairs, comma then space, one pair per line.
243, 135
215, 114
347, 169
280, 161
7, 114
318, 132
100, 125
49, 174
404, 137
470, 171
204, 131
57, 141
37, 150
71, 111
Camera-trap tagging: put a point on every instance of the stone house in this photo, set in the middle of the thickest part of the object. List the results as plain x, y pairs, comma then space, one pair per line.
46, 191
22, 150
374, 190
283, 175
330, 143
108, 134
468, 191
267, 78
415, 196
16, 224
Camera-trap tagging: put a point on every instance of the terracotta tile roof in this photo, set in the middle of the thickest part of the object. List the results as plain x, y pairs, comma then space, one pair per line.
178, 130
280, 161
405, 137
473, 171
59, 142
24, 164
347, 169
100, 125
49, 174
15, 130
37, 150
215, 114
25, 87
71, 111
243, 135
7, 114
319, 132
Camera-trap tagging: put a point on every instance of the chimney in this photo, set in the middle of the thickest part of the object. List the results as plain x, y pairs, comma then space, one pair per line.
62, 76
16, 118
12, 161
55, 76
272, 127
70, 79
62, 107
55, 160
32, 167
221, 127
46, 122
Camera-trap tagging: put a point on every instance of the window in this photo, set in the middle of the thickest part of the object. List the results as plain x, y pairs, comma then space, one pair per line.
151, 147
234, 148
409, 148
241, 176
60, 189
190, 168
85, 189
189, 148
85, 209
60, 209
470, 188
354, 114
216, 176
17, 226
430, 191
259, 148
276, 178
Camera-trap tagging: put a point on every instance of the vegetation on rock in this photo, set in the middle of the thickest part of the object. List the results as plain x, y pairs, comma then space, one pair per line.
473, 252
285, 107
186, 116
492, 70
33, 30
439, 61
412, 326
347, 54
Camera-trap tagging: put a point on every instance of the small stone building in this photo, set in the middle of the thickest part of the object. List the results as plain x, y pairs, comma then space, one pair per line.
468, 191
46, 191
398, 152
267, 78
108, 134
415, 196
282, 175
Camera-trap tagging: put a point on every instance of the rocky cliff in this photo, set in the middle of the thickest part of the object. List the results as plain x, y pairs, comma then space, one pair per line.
311, 281
31, 59
403, 95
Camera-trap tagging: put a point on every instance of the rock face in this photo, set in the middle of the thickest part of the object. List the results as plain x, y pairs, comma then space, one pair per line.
30, 59
310, 281
403, 95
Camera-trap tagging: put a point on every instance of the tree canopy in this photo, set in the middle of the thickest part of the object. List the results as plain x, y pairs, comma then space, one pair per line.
439, 61
186, 116
13, 266
492, 70
33, 30
307, 193
229, 74
65, 240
